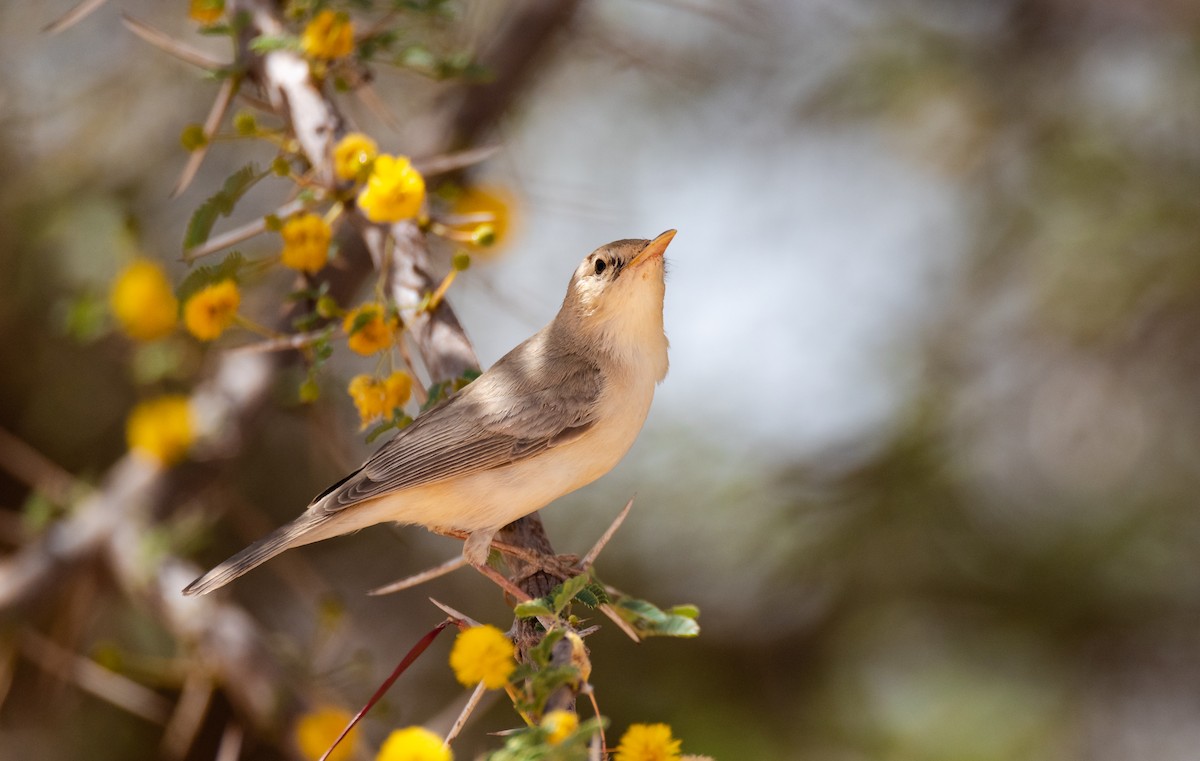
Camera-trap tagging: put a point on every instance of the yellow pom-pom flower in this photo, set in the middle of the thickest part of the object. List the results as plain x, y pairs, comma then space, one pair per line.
648, 742
328, 36
370, 329
395, 190
212, 309
375, 399
414, 744
161, 429
317, 729
353, 156
559, 725
143, 302
206, 11
482, 654
305, 242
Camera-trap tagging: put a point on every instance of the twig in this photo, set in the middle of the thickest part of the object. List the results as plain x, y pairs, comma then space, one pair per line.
603, 749
466, 712
370, 98
230, 748
91, 677
239, 234
215, 115
438, 571
282, 343
188, 716
34, 469
455, 160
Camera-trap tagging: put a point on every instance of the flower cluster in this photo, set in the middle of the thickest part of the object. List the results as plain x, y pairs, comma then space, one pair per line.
162, 429
212, 309
482, 654
206, 11
370, 328
305, 242
353, 156
559, 725
375, 399
143, 302
328, 36
414, 744
648, 742
318, 729
395, 190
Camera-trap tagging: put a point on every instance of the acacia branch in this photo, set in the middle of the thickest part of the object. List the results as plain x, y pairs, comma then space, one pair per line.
113, 520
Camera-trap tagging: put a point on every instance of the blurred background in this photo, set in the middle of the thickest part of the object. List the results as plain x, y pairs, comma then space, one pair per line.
928, 454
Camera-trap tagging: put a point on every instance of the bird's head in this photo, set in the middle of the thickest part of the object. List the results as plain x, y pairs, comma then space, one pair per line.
616, 295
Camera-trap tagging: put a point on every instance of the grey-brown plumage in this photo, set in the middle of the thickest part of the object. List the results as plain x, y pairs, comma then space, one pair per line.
553, 414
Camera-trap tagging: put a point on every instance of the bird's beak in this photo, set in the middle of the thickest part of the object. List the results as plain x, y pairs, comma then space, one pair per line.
654, 248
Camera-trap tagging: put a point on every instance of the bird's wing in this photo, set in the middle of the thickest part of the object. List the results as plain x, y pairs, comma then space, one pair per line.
474, 432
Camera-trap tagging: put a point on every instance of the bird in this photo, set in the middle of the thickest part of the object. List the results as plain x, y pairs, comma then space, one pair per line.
554, 414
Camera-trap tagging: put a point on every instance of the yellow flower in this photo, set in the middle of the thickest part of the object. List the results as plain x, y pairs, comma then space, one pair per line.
414, 744
648, 742
317, 729
375, 329
353, 155
482, 654
560, 724
328, 36
161, 429
375, 398
206, 11
394, 191
493, 202
306, 242
212, 309
142, 300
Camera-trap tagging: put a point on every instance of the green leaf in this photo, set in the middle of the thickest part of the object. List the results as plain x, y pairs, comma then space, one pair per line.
650, 621
265, 43
84, 318
362, 320
540, 653
593, 596
219, 204
687, 611
533, 608
565, 592
210, 274
379, 430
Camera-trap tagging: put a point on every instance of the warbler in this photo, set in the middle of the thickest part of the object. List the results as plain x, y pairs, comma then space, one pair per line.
552, 415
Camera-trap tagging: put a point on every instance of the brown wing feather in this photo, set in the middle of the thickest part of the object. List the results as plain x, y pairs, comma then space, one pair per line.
474, 431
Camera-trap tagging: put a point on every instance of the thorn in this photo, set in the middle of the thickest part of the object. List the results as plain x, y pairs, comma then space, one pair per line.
602, 542
621, 623
451, 565
169, 44
459, 618
73, 16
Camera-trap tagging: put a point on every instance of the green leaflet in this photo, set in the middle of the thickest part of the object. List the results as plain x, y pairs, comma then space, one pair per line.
220, 204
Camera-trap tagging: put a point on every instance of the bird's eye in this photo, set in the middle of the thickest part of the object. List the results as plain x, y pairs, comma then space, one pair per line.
600, 265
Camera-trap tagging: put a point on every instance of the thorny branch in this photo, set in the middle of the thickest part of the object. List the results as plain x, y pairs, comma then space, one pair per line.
111, 522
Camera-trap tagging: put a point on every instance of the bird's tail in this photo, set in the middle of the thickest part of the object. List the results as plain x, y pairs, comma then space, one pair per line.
294, 534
